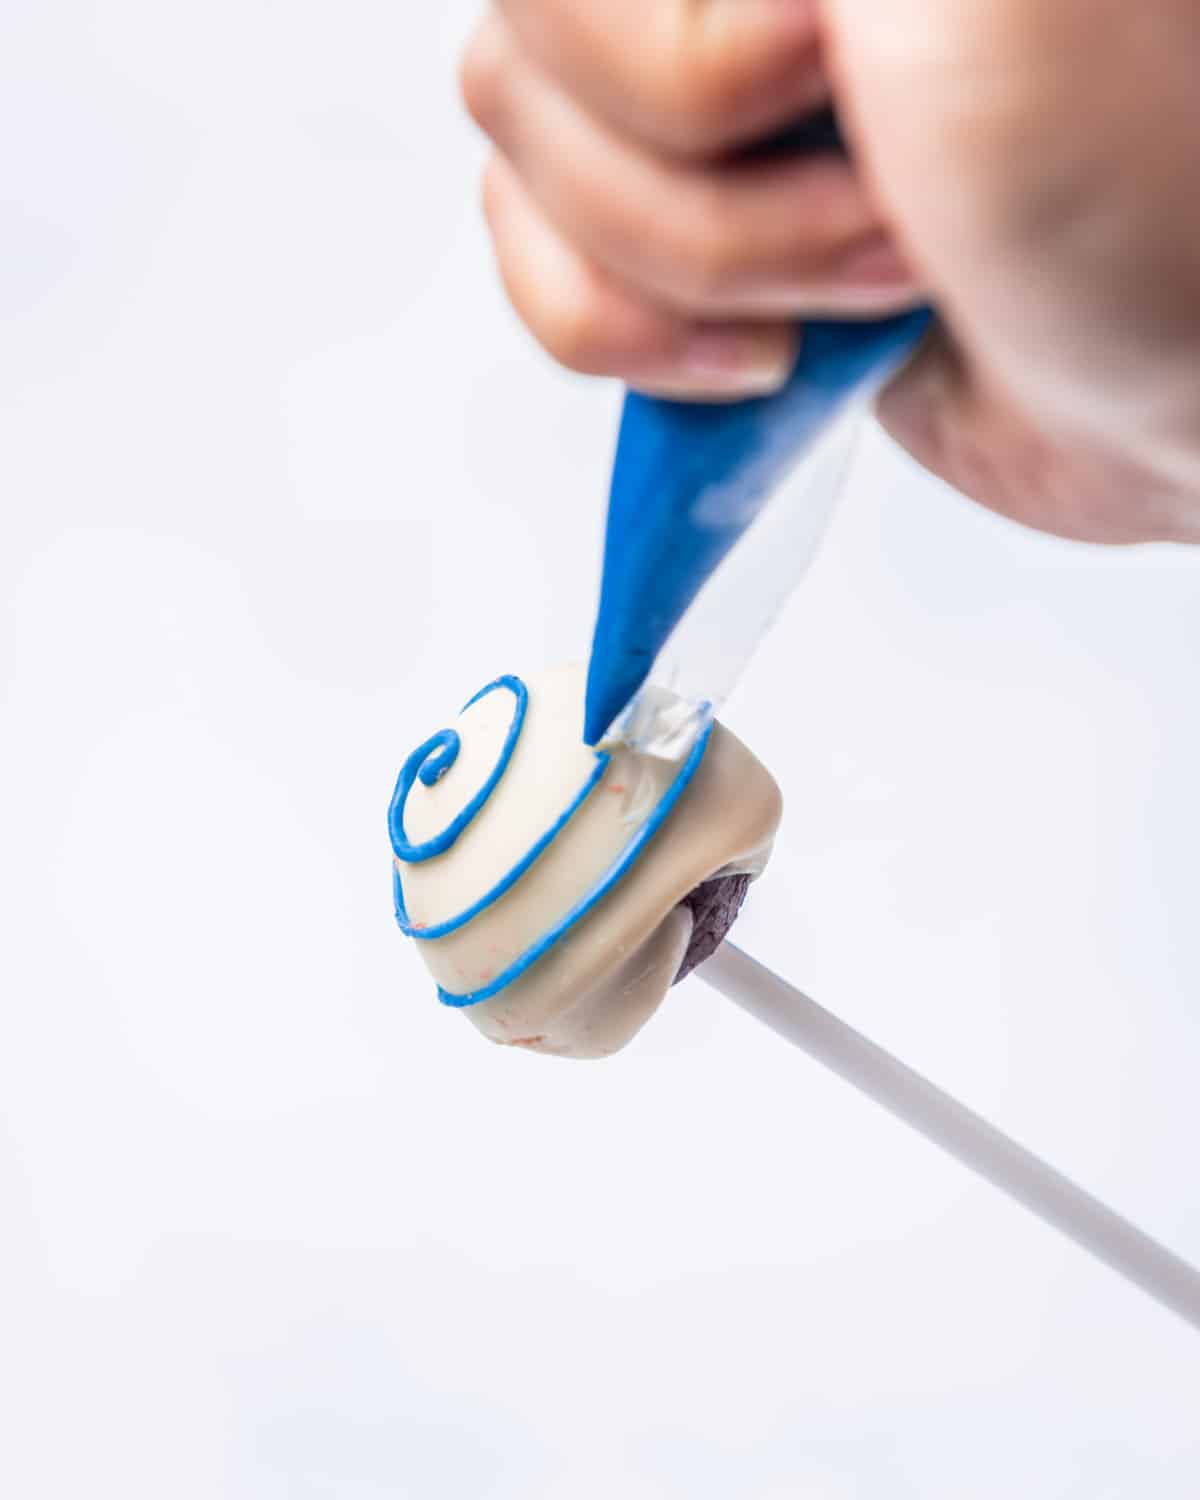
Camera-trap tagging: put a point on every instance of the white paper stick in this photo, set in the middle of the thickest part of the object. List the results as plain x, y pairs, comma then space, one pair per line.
956, 1129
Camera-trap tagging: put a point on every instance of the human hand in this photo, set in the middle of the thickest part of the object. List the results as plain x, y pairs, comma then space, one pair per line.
1027, 167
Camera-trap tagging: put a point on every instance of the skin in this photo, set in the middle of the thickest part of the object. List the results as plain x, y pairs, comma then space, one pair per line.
1031, 168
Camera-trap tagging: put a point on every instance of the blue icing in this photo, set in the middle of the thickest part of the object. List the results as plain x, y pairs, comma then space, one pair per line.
507, 881
430, 761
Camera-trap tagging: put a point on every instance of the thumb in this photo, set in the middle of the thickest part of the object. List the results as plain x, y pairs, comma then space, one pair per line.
971, 434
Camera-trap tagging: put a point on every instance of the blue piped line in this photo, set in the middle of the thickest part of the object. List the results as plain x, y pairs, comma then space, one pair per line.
432, 759
452, 924
616, 872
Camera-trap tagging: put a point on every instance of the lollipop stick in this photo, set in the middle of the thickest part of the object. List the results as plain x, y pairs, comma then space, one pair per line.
956, 1129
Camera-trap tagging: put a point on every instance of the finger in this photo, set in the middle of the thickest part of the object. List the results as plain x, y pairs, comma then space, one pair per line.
921, 408
779, 238
590, 323
689, 76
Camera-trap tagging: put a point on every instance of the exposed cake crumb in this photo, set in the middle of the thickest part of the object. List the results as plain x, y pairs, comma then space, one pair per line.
714, 907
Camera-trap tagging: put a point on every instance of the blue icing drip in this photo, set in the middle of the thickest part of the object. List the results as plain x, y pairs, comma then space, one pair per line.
432, 759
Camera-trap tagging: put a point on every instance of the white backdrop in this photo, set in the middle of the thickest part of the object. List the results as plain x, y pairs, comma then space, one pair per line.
283, 481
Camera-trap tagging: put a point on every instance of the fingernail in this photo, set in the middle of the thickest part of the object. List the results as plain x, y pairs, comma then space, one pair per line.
737, 362
876, 264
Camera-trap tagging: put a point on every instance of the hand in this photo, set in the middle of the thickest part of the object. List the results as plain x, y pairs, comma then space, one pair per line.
1033, 169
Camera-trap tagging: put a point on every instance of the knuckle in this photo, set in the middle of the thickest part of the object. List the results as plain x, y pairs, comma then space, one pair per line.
481, 78
710, 251
491, 192
711, 68
571, 330
691, 85
698, 100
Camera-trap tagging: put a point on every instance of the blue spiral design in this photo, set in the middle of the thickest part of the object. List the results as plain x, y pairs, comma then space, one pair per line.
430, 761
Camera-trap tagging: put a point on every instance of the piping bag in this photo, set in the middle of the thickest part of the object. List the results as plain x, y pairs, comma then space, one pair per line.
714, 514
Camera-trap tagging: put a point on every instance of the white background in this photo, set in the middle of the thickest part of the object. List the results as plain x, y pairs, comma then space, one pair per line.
282, 482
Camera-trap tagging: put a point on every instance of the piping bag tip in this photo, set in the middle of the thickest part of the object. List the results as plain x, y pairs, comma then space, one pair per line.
687, 482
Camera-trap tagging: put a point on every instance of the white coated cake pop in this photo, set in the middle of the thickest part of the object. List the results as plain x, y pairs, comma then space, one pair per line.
556, 892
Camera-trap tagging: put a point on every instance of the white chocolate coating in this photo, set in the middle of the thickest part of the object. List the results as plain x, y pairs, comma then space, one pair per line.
596, 987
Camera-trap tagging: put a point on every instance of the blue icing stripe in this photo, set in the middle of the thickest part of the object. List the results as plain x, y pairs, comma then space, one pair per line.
616, 872
507, 881
430, 761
